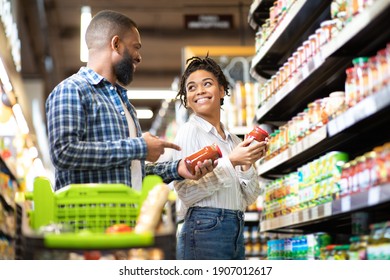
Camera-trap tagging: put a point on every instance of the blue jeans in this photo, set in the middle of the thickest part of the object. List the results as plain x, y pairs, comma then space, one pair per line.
211, 234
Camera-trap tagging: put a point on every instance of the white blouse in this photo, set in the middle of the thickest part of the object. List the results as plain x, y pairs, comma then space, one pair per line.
226, 187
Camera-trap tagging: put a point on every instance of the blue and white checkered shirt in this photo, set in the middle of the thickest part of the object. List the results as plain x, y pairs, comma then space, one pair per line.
89, 136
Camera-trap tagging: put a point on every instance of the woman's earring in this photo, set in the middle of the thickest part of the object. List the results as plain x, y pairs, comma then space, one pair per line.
221, 101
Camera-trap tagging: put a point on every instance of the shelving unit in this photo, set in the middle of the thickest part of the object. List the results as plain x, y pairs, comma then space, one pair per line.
355, 131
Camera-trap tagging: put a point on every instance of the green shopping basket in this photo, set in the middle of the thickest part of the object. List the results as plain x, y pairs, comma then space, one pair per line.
87, 210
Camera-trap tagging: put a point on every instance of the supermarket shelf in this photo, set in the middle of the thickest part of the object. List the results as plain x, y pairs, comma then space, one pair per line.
367, 108
374, 196
326, 73
361, 35
293, 87
295, 218
329, 214
293, 155
303, 17
258, 12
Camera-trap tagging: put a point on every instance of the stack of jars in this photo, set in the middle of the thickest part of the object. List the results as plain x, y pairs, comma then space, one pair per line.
314, 183
367, 76
316, 115
365, 171
299, 59
276, 14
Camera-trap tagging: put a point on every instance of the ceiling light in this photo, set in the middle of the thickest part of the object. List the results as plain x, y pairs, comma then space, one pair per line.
86, 17
149, 94
21, 121
144, 114
4, 77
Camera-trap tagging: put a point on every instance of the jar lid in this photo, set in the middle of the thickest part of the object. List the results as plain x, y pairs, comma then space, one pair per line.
359, 60
218, 150
262, 131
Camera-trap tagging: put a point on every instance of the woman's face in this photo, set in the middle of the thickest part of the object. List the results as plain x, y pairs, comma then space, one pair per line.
204, 93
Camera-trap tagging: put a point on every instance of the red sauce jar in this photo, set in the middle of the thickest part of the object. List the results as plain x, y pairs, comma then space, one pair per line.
209, 152
258, 134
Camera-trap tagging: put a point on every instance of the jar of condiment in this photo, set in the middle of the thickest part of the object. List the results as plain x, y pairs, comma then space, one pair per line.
363, 175
344, 182
301, 56
307, 46
292, 66
209, 152
372, 168
361, 69
335, 104
383, 67
329, 28
321, 38
353, 180
258, 134
350, 87
313, 44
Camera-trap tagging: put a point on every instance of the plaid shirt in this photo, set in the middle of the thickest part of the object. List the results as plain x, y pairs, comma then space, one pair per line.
89, 136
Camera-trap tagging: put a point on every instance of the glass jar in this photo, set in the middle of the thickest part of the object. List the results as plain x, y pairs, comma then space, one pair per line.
290, 132
361, 70
292, 66
372, 168
343, 183
209, 152
258, 134
350, 87
283, 138
308, 51
321, 38
363, 175
373, 75
297, 63
383, 74
335, 104
352, 180
301, 56
286, 72
313, 44
380, 163
329, 30
312, 117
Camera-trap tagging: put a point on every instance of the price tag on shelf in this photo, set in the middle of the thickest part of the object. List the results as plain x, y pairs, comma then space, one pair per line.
314, 213
346, 204
374, 195
327, 209
305, 214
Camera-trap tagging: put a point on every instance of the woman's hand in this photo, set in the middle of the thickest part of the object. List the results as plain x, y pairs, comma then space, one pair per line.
248, 152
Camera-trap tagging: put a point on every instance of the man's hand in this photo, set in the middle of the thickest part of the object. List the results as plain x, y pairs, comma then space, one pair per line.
156, 146
201, 169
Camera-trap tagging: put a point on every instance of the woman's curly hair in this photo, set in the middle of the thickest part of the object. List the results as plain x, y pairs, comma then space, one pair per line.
207, 64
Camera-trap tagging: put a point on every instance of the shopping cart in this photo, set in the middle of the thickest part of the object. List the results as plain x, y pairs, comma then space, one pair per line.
72, 221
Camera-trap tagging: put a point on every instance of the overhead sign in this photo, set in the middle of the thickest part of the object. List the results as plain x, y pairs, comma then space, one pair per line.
208, 21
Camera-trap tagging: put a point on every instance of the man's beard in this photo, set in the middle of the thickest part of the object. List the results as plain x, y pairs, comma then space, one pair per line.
124, 70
